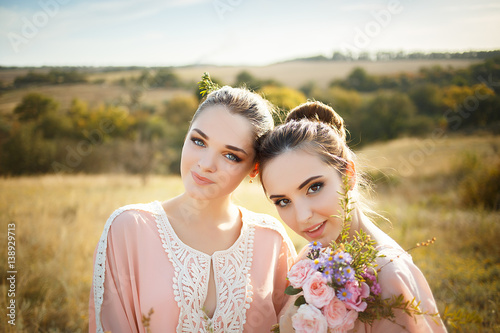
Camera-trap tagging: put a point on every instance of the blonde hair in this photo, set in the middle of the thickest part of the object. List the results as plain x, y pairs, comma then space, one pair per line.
243, 102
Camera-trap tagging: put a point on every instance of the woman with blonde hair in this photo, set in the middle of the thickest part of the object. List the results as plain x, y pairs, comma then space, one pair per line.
198, 261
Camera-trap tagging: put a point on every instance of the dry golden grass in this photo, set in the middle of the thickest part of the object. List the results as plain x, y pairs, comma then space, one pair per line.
296, 73
59, 221
94, 94
425, 156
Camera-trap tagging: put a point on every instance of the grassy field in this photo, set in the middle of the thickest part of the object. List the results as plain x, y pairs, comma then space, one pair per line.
58, 221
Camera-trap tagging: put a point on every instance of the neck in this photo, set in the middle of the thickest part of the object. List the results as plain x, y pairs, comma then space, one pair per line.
214, 212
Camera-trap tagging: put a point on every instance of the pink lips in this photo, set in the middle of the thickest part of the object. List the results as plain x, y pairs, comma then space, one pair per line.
316, 230
200, 180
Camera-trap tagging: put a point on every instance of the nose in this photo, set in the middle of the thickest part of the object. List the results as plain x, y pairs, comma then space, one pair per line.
207, 162
303, 212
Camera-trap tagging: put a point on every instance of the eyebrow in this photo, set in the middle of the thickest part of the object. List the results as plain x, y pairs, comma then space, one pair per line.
201, 133
307, 181
227, 146
236, 149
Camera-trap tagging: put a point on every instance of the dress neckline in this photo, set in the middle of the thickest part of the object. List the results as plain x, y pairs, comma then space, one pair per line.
244, 227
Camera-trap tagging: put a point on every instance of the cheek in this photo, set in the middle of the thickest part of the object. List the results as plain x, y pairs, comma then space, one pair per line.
288, 217
187, 154
328, 203
230, 175
236, 171
233, 169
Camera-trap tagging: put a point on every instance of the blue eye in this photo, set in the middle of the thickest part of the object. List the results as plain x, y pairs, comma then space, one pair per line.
314, 188
198, 142
232, 157
282, 202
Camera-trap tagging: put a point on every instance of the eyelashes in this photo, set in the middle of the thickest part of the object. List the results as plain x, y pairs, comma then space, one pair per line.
282, 202
313, 189
316, 187
198, 142
230, 156
233, 157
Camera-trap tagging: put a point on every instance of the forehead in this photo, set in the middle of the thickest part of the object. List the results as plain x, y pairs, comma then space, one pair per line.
287, 171
224, 127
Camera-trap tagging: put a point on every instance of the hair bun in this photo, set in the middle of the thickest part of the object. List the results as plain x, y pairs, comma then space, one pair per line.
317, 111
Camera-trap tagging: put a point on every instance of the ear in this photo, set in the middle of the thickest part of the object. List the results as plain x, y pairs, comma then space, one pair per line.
351, 174
255, 170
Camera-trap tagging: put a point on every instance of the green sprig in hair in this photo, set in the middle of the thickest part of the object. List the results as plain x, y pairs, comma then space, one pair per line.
206, 85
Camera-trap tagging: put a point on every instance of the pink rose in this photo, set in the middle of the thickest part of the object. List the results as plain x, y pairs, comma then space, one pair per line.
300, 272
309, 319
334, 312
317, 292
355, 302
347, 322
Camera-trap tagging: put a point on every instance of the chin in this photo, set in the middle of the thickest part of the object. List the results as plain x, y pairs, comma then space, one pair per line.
325, 240
204, 193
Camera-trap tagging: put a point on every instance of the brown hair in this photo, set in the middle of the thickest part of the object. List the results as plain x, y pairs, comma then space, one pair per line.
313, 127
245, 103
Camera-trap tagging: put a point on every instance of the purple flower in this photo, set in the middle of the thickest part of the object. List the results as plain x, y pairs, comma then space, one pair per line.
369, 276
328, 273
315, 245
348, 273
317, 263
343, 257
343, 294
329, 260
375, 288
339, 278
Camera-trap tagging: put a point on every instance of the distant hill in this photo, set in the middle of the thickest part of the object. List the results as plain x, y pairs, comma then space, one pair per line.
296, 73
293, 73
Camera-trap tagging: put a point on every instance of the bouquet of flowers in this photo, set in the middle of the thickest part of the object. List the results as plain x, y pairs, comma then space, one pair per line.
339, 283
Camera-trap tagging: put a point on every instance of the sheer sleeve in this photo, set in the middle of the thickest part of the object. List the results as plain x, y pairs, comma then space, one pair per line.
401, 276
119, 311
285, 261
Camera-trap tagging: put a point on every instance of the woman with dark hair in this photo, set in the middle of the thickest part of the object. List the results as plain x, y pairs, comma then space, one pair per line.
302, 166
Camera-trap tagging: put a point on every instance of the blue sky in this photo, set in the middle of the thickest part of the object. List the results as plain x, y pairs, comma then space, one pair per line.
234, 32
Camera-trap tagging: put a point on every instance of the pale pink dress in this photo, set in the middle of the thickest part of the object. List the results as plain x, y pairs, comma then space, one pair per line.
401, 276
141, 264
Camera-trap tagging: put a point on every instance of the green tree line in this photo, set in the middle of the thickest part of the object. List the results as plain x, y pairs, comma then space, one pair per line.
41, 137
435, 99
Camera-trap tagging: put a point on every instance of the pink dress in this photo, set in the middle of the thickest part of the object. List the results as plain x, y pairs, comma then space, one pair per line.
141, 264
402, 276
399, 275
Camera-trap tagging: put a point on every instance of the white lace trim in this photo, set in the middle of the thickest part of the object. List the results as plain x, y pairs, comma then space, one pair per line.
100, 260
192, 269
192, 272
269, 222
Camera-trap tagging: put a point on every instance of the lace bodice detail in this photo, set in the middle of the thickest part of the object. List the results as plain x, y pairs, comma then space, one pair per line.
231, 269
192, 271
